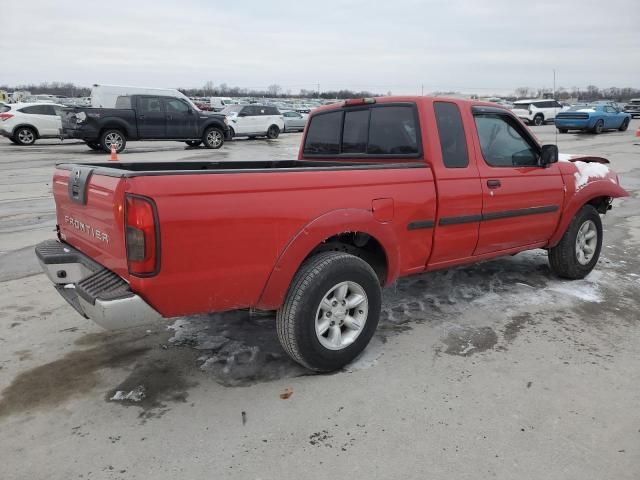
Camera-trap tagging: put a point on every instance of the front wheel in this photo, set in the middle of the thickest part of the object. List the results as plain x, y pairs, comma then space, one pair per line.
114, 138
273, 132
579, 249
625, 125
538, 120
331, 311
599, 127
213, 138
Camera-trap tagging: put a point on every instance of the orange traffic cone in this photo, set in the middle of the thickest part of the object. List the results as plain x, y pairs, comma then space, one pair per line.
114, 154
638, 132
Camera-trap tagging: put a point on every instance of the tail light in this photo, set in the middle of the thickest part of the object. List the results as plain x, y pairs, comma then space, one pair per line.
142, 236
5, 116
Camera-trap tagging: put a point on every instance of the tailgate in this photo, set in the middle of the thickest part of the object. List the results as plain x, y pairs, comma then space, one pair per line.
69, 118
90, 215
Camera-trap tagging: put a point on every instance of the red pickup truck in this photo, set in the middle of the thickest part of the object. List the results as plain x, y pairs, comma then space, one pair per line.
382, 188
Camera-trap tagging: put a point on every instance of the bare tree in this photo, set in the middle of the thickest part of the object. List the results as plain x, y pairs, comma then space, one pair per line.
274, 90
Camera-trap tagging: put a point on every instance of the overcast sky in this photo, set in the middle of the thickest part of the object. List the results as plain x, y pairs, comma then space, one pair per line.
399, 45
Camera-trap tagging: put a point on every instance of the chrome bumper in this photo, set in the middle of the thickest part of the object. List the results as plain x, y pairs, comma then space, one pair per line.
93, 291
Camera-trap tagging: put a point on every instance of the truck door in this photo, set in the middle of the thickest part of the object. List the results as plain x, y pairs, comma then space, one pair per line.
458, 184
521, 201
151, 117
182, 121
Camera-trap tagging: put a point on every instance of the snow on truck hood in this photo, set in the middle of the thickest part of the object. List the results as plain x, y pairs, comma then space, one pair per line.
588, 168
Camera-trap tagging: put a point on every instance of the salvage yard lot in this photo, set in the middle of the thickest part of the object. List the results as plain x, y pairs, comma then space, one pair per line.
497, 369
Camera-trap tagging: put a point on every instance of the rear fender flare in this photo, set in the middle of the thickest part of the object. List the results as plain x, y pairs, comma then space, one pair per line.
316, 232
594, 189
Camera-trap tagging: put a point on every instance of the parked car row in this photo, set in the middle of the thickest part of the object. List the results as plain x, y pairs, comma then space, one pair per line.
121, 114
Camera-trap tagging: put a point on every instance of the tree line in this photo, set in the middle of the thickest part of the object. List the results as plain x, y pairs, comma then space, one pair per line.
588, 94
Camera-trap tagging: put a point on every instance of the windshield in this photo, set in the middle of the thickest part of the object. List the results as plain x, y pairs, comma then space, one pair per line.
579, 108
232, 109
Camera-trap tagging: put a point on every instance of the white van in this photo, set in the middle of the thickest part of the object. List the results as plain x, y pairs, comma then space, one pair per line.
219, 103
105, 96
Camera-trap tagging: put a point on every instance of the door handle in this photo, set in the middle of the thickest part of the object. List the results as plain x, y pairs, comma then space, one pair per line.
493, 183
141, 117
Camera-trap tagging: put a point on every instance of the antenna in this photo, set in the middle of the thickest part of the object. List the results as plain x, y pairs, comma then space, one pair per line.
554, 99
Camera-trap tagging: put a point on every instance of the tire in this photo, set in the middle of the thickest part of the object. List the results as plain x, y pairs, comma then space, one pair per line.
625, 125
25, 136
94, 146
562, 130
13, 140
317, 284
538, 120
565, 258
193, 143
232, 133
113, 137
213, 138
598, 127
273, 132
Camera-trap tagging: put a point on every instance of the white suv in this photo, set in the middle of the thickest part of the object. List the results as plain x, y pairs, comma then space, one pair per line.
24, 123
537, 111
254, 121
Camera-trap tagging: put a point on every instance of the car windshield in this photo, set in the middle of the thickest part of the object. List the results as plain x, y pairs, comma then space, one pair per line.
579, 108
521, 106
232, 109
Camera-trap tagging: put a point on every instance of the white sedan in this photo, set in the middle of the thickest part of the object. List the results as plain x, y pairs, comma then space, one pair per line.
24, 123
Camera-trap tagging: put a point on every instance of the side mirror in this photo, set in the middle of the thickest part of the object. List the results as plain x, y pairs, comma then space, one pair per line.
548, 155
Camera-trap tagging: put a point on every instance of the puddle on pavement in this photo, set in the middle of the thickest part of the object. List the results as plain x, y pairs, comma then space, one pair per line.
466, 341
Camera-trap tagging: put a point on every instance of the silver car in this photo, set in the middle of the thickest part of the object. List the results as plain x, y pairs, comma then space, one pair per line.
294, 121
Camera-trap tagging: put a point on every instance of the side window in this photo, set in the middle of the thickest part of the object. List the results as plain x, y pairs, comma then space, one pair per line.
57, 110
123, 102
272, 111
502, 144
356, 129
48, 110
392, 130
176, 106
288, 114
149, 105
452, 139
609, 109
249, 111
323, 136
557, 104
34, 110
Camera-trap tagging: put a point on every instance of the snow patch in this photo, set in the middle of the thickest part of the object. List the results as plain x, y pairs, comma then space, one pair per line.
136, 395
587, 171
368, 358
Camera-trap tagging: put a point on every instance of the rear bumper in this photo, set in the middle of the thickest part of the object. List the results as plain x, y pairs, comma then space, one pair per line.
93, 291
573, 124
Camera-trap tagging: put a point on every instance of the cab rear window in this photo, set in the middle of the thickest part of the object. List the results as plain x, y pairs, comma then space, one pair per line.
380, 130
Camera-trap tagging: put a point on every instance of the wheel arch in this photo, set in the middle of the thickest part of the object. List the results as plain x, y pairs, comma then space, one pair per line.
598, 193
114, 124
350, 230
28, 125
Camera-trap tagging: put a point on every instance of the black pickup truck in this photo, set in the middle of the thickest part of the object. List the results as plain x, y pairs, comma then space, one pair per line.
144, 117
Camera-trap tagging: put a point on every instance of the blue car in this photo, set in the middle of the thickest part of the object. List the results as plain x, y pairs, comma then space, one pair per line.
595, 117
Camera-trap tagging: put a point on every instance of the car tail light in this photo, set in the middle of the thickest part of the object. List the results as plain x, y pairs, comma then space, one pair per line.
5, 116
142, 236
359, 101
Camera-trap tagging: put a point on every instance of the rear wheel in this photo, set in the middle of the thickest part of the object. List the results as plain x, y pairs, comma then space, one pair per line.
599, 126
213, 138
538, 120
113, 138
625, 125
25, 136
273, 132
331, 311
193, 143
13, 140
579, 249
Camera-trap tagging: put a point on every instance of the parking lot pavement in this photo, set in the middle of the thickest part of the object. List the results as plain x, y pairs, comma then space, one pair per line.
496, 370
